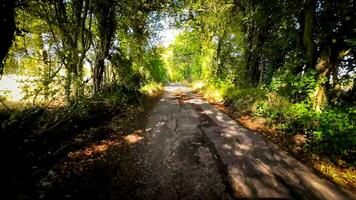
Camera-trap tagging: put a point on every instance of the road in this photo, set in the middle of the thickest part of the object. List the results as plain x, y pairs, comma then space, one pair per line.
194, 151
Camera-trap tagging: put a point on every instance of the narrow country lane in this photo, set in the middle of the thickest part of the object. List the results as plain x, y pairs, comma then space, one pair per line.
119, 99
193, 151
179, 161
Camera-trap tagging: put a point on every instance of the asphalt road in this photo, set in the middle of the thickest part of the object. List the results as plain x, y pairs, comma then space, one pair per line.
193, 151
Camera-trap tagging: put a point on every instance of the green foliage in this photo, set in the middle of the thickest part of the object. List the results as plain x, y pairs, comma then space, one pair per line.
274, 108
285, 82
183, 59
301, 119
331, 132
154, 64
42, 91
152, 88
335, 133
244, 100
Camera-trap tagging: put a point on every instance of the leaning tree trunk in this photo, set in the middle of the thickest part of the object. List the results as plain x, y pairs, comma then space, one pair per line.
323, 68
7, 28
67, 86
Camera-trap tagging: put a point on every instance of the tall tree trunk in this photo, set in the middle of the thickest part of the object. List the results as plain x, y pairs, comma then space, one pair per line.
79, 84
352, 92
7, 28
99, 68
105, 12
254, 59
308, 42
219, 61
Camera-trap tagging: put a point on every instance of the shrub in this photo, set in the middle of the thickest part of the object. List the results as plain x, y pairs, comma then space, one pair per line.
213, 90
274, 107
335, 133
244, 100
331, 132
301, 118
152, 88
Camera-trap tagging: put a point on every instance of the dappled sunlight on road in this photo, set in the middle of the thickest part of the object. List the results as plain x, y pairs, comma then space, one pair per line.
179, 156
255, 167
132, 138
93, 149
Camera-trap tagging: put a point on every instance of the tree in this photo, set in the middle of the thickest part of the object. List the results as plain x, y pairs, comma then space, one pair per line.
7, 28
105, 14
70, 24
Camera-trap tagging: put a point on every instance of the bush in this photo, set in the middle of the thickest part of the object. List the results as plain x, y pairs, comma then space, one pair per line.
287, 83
336, 133
213, 90
301, 118
244, 100
152, 88
331, 132
274, 107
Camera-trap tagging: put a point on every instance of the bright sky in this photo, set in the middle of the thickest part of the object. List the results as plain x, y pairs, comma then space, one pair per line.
168, 36
164, 30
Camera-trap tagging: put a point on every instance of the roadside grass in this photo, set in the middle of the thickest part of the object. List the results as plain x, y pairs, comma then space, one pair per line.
152, 89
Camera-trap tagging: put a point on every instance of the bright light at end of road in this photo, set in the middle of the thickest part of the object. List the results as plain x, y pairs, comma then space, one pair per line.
168, 36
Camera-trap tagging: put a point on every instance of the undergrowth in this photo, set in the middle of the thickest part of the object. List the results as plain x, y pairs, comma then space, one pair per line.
34, 138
